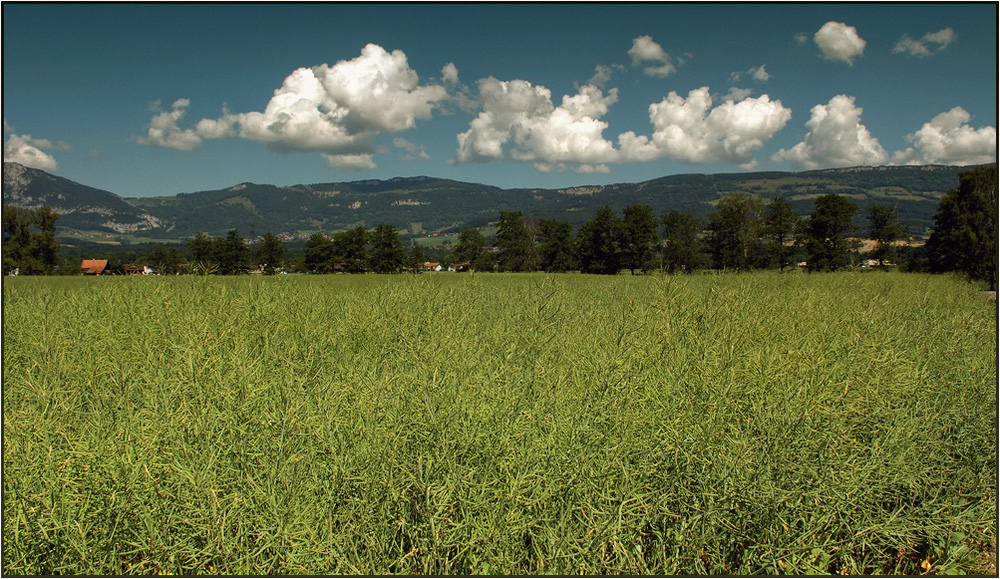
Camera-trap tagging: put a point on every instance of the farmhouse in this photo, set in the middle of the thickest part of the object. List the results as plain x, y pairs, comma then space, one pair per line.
95, 267
138, 269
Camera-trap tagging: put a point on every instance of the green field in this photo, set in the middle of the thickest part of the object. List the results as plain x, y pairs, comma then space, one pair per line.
499, 424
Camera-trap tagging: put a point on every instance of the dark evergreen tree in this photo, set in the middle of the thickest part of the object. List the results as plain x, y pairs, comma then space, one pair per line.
780, 223
271, 253
639, 238
964, 237
556, 247
682, 248
515, 244
826, 234
319, 256
349, 249
202, 249
16, 238
598, 243
734, 232
232, 253
388, 255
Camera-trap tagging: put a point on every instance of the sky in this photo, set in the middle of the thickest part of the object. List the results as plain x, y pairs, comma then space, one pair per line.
160, 99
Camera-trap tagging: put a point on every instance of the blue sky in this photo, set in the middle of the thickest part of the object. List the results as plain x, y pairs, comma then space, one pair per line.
162, 99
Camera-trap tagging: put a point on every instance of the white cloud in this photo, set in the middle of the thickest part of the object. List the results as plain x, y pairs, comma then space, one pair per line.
356, 162
922, 48
691, 130
949, 140
335, 110
602, 74
163, 130
338, 109
737, 94
449, 74
27, 151
645, 50
836, 138
838, 41
413, 152
757, 73
522, 115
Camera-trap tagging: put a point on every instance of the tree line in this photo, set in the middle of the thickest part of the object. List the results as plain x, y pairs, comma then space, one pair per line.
742, 233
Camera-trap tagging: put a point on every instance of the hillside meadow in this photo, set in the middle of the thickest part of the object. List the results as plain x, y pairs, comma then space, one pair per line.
499, 424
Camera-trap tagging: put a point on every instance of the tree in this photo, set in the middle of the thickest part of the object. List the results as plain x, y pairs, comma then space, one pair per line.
556, 248
779, 227
734, 232
271, 253
964, 237
515, 244
884, 228
202, 248
825, 234
319, 257
232, 253
417, 256
349, 249
471, 249
29, 241
682, 250
16, 237
638, 237
388, 255
44, 244
598, 243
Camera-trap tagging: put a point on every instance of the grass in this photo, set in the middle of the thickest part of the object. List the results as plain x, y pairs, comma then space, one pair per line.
499, 424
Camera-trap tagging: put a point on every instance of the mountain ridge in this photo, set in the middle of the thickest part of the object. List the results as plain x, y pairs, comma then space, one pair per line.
424, 204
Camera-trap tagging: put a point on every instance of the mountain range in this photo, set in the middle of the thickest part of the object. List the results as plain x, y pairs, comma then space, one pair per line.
426, 205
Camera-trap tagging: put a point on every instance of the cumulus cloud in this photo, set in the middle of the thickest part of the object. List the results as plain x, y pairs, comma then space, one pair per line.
523, 116
836, 138
838, 41
928, 45
692, 130
335, 110
28, 151
645, 50
949, 140
413, 152
163, 130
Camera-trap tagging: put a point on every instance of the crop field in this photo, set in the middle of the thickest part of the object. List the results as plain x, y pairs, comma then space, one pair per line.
499, 424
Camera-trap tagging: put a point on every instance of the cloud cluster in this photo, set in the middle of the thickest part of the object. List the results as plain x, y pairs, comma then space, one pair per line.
645, 50
338, 110
335, 110
28, 151
838, 41
836, 138
691, 130
524, 116
928, 45
521, 115
949, 140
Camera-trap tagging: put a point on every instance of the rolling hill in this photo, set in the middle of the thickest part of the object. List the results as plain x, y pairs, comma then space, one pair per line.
420, 205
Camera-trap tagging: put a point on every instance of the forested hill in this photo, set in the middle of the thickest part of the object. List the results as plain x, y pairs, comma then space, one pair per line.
426, 204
